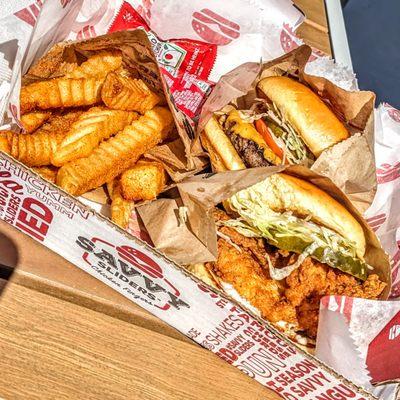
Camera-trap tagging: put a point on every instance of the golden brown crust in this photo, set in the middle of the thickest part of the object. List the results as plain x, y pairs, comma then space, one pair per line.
144, 181
88, 131
125, 93
305, 111
116, 154
288, 193
61, 92
34, 120
121, 209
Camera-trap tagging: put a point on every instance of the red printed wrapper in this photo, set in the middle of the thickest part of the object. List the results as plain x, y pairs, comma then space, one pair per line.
367, 332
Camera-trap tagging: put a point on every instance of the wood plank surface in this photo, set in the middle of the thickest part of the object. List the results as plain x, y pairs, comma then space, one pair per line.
53, 349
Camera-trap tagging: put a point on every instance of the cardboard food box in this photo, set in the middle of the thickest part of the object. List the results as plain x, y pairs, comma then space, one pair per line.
143, 275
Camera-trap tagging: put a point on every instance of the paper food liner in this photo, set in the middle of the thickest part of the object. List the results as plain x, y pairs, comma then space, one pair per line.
368, 332
354, 108
200, 193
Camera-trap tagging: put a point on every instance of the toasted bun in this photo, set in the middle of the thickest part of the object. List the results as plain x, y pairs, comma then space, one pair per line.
305, 111
222, 153
303, 199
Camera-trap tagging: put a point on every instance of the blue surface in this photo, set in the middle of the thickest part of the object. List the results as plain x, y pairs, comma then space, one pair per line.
373, 31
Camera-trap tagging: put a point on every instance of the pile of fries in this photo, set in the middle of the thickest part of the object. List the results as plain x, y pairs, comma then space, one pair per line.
90, 127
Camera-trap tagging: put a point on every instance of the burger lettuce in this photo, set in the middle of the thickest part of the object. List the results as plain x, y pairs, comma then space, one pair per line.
288, 232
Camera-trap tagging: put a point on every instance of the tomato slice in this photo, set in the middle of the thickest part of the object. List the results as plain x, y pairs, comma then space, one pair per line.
264, 131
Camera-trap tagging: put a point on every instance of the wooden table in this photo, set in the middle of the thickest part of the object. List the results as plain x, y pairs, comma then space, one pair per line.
65, 335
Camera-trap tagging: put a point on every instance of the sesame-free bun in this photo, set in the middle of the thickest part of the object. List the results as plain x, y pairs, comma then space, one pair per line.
222, 153
310, 117
303, 199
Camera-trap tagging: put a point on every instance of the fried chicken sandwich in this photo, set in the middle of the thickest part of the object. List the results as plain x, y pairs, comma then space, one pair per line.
285, 243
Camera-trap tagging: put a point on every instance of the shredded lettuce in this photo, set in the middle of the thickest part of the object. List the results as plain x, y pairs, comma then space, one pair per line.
288, 232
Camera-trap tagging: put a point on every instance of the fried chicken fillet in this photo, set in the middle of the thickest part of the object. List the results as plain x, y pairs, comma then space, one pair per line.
115, 155
242, 263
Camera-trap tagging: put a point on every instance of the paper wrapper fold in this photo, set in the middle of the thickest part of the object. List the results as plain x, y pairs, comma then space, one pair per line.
200, 193
354, 108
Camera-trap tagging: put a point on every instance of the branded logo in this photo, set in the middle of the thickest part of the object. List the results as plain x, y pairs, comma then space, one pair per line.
213, 28
133, 271
388, 173
376, 221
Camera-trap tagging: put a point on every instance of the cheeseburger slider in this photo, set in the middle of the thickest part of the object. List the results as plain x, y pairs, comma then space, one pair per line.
284, 245
289, 123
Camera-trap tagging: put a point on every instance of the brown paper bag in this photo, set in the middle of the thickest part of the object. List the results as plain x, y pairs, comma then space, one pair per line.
354, 109
200, 193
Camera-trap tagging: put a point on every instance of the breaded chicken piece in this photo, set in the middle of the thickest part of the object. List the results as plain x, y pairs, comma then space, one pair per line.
88, 131
121, 209
252, 282
99, 64
313, 280
36, 149
61, 93
125, 93
34, 120
116, 154
144, 181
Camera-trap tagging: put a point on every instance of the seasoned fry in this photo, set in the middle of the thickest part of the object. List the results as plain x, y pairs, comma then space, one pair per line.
34, 120
61, 92
88, 131
125, 93
117, 153
37, 148
144, 181
100, 64
4, 144
120, 208
49, 172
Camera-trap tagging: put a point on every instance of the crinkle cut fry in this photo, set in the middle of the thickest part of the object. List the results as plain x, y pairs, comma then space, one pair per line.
120, 208
88, 131
34, 120
61, 92
99, 64
47, 172
125, 93
116, 154
4, 143
36, 149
